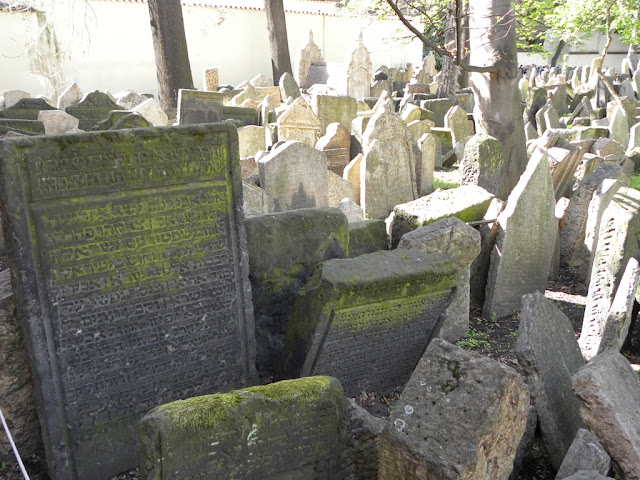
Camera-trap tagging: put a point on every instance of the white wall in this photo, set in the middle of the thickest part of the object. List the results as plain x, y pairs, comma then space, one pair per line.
108, 45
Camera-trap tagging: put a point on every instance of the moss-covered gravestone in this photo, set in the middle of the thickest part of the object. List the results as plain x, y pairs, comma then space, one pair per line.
92, 109
26, 109
130, 267
367, 320
290, 430
195, 106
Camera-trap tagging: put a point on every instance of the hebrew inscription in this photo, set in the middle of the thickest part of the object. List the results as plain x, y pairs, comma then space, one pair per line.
137, 273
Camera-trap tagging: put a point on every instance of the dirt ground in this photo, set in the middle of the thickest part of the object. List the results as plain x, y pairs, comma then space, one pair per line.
495, 339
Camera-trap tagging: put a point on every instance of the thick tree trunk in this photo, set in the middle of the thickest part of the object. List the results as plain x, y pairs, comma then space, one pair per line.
170, 47
449, 72
277, 28
498, 111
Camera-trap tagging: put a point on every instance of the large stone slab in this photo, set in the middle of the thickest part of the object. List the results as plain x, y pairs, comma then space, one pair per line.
292, 429
609, 391
549, 355
452, 237
617, 244
367, 320
584, 453
468, 203
195, 107
131, 270
295, 175
527, 231
461, 416
482, 162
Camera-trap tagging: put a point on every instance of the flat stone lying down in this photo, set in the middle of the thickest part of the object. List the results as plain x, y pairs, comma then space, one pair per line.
293, 429
367, 320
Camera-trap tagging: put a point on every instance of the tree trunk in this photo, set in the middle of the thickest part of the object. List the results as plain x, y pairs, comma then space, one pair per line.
449, 72
277, 28
556, 56
498, 110
170, 47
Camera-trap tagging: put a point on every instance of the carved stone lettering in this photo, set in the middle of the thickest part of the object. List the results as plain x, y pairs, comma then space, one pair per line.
132, 271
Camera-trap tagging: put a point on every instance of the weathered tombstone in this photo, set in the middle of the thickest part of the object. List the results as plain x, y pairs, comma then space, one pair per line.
359, 71
299, 123
338, 189
70, 96
482, 162
468, 203
26, 109
351, 210
388, 167
292, 429
195, 107
34, 127
429, 151
256, 94
461, 242
251, 139
563, 163
336, 144
439, 107
609, 391
210, 77
363, 443
353, 309
367, 237
585, 453
460, 417
617, 243
92, 109
130, 120
57, 121
15, 381
242, 116
456, 120
152, 112
139, 293
128, 99
527, 231
352, 174
255, 201
11, 97
331, 108
619, 127
309, 54
295, 175
549, 355
288, 87
574, 231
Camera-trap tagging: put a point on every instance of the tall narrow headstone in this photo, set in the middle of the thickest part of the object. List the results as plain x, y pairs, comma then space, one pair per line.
309, 54
527, 230
131, 270
359, 71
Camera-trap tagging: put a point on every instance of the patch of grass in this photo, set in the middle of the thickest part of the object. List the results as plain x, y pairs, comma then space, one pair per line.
474, 339
438, 183
635, 180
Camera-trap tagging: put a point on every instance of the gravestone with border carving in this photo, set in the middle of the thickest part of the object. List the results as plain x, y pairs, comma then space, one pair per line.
92, 109
131, 276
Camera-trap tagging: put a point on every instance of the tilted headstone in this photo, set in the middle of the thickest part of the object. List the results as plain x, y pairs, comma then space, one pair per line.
527, 231
563, 163
351, 210
251, 139
352, 174
388, 167
338, 189
11, 97
617, 243
482, 162
609, 391
255, 201
468, 203
92, 109
256, 94
210, 77
195, 107
57, 121
429, 151
71, 95
461, 242
336, 144
456, 120
295, 175
331, 108
549, 355
619, 127
128, 99
352, 310
152, 112
299, 123
585, 453
309, 54
461, 416
573, 233
359, 71
26, 109
288, 87
292, 429
139, 294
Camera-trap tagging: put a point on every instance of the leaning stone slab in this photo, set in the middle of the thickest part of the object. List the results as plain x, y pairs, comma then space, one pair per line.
289, 429
468, 203
367, 320
461, 416
549, 355
482, 162
152, 112
609, 391
617, 244
195, 107
452, 237
363, 443
139, 294
585, 453
57, 121
573, 233
563, 163
70, 96
527, 231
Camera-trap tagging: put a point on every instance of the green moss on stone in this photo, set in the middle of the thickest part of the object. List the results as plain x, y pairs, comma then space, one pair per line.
307, 388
